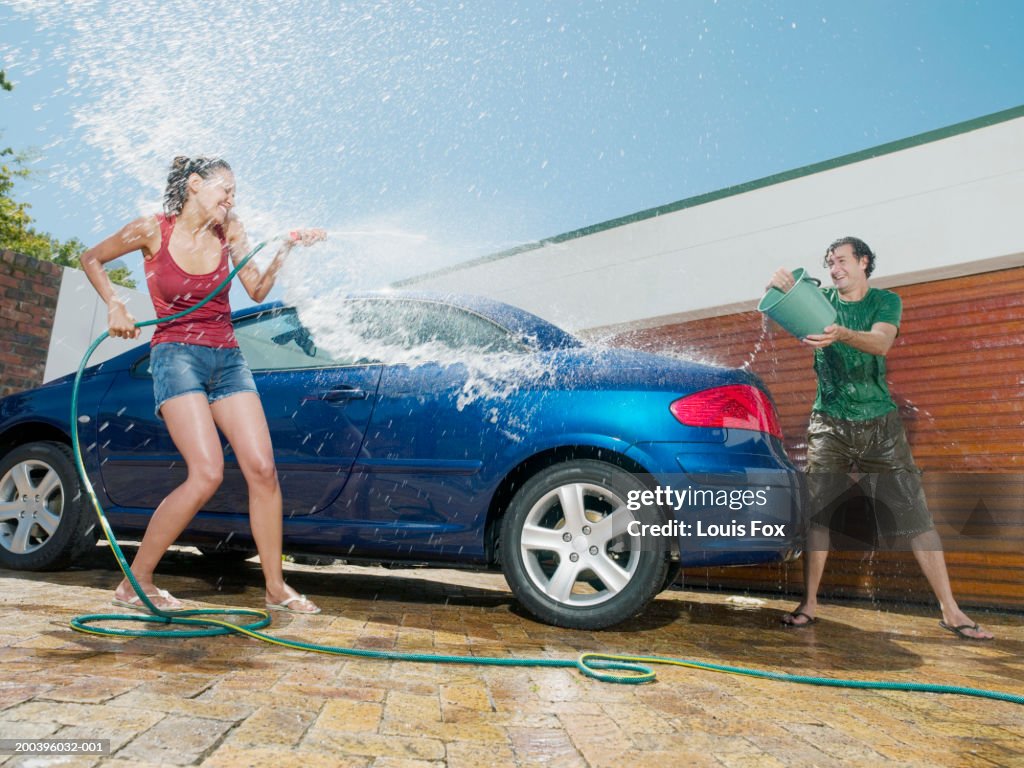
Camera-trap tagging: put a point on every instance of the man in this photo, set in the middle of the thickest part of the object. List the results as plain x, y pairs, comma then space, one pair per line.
855, 421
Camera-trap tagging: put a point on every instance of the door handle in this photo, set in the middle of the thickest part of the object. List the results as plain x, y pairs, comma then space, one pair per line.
343, 394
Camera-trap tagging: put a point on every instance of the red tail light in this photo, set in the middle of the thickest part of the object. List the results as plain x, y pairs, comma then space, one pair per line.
734, 406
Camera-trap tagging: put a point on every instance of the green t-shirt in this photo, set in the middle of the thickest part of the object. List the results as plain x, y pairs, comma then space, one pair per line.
851, 383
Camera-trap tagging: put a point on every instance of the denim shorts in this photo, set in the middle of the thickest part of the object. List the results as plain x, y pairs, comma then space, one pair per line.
180, 369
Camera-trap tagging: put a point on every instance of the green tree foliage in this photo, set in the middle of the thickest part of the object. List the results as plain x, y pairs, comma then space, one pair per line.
16, 230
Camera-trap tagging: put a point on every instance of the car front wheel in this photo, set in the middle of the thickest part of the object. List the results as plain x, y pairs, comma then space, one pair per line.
44, 521
569, 553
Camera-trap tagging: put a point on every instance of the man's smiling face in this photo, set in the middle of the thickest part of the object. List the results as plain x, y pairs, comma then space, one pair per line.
848, 273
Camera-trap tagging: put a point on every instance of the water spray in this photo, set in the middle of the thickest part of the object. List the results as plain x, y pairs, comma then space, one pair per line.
605, 667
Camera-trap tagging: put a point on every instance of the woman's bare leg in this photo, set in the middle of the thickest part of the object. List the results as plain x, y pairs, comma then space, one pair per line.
190, 423
241, 419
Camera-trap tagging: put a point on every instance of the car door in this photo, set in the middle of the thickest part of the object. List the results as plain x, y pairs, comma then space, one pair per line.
421, 484
317, 407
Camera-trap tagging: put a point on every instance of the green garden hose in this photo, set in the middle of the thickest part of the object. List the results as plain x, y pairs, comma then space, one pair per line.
600, 666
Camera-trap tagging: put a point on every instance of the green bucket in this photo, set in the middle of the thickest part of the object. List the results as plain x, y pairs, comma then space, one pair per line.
803, 309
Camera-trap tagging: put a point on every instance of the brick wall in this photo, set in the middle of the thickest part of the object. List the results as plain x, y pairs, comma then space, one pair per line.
28, 303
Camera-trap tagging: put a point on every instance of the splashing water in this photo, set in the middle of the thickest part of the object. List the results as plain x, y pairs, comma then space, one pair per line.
758, 346
365, 258
389, 97
637, 339
362, 330
329, 113
353, 260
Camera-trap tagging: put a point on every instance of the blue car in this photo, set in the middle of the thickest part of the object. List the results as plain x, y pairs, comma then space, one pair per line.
422, 429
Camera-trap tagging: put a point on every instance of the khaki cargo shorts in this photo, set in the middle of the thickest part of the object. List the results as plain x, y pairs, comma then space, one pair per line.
878, 448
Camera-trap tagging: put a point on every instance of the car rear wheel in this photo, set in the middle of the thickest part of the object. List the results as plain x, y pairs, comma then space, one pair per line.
567, 553
672, 575
45, 523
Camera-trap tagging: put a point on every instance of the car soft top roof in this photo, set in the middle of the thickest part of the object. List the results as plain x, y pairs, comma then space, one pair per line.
517, 321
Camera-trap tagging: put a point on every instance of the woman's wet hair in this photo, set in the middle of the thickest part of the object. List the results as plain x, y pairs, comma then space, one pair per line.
860, 250
177, 180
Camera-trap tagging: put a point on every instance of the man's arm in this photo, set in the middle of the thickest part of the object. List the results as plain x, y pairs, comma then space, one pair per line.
877, 341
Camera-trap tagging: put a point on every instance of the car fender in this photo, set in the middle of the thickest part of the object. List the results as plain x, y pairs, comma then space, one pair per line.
516, 456
44, 414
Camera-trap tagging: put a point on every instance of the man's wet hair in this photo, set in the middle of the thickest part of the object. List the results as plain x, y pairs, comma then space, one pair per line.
860, 250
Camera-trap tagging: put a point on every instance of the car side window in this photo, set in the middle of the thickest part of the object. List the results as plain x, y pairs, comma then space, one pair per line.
272, 341
276, 341
409, 324
140, 368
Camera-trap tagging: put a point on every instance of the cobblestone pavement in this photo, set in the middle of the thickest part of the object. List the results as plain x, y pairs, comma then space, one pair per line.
233, 701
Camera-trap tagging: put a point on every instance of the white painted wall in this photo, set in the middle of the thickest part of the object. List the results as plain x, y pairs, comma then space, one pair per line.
81, 316
946, 208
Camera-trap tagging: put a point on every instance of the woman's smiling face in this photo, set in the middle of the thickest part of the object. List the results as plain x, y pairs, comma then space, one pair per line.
215, 194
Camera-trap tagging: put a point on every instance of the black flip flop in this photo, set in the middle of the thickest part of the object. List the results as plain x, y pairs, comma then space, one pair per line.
810, 620
959, 631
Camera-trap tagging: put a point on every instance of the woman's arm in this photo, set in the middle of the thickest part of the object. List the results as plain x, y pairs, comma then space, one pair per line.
142, 234
258, 284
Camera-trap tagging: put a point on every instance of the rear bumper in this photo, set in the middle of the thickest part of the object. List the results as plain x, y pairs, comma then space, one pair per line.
726, 505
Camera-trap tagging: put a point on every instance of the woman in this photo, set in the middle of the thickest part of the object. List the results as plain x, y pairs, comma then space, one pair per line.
200, 379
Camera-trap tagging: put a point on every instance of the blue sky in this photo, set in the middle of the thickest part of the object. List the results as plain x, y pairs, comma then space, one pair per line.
425, 133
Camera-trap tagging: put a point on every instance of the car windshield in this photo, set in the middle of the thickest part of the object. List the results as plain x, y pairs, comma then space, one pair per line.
276, 340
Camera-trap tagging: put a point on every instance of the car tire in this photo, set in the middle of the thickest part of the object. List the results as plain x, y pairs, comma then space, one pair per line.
672, 575
565, 555
45, 522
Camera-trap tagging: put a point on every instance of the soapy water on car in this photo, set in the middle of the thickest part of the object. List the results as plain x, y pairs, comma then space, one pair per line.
348, 261
315, 282
191, 623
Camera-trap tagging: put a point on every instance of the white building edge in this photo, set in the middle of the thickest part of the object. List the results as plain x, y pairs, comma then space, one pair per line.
81, 316
941, 204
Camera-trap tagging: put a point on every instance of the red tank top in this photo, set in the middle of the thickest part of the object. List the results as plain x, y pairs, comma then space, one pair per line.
174, 290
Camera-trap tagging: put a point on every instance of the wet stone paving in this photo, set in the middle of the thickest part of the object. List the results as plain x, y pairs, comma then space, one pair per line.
234, 701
